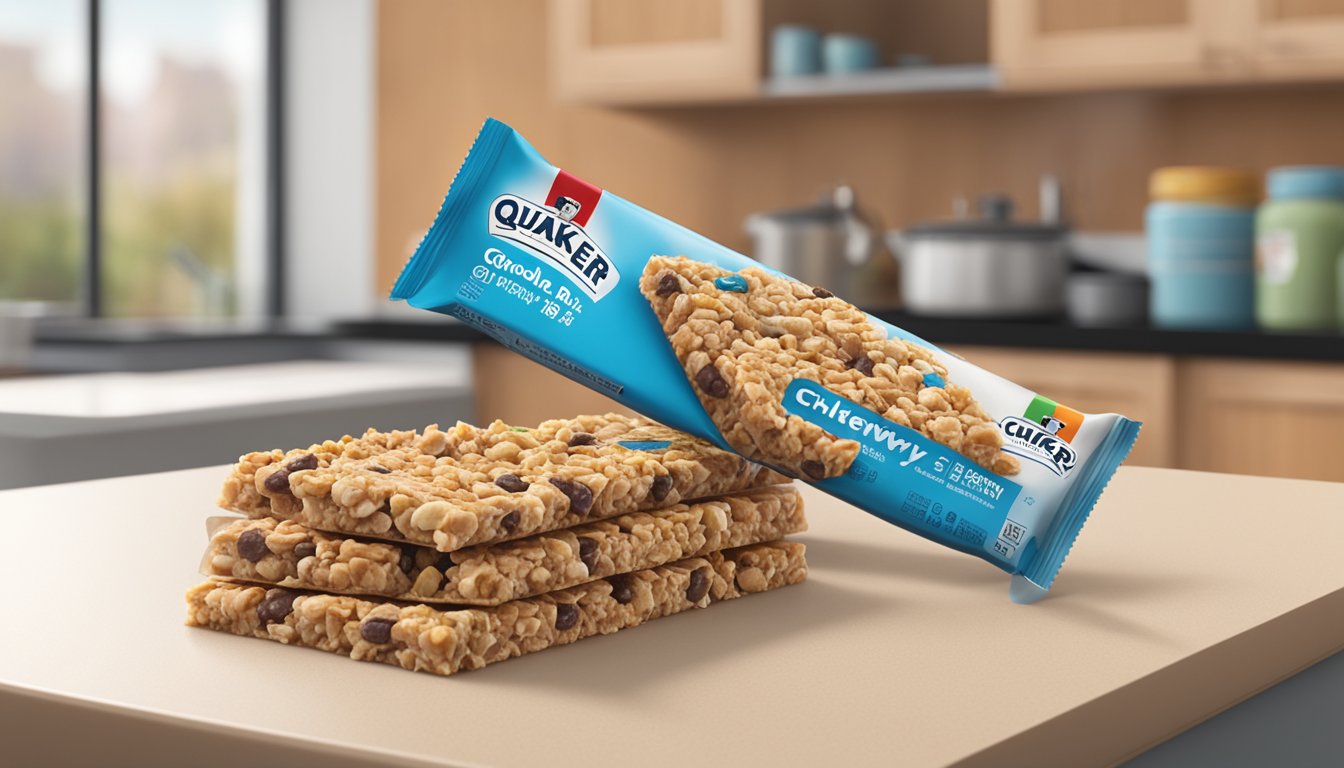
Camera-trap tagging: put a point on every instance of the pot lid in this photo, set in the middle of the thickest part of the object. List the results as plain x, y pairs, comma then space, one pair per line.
995, 222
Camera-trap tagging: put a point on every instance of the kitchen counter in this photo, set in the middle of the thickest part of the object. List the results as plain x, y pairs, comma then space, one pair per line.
106, 424
1045, 335
1179, 600
91, 346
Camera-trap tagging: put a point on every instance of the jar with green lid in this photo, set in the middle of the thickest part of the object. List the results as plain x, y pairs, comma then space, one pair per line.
1299, 246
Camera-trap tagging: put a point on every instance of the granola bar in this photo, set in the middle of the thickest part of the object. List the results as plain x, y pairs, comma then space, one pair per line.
471, 485
755, 358
742, 337
426, 639
287, 554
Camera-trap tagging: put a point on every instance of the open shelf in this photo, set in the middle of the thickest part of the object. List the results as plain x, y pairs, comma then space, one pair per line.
963, 78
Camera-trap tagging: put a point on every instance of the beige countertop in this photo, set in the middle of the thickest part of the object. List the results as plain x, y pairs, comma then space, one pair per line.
1186, 593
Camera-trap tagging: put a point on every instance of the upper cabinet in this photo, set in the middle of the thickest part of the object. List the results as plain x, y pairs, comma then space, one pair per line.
1045, 43
649, 51
1298, 39
1136, 43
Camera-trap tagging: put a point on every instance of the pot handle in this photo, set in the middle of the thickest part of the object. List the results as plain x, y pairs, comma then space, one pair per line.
858, 229
859, 242
896, 243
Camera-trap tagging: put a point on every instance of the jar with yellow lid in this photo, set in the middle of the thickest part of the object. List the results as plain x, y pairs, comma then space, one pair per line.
1201, 247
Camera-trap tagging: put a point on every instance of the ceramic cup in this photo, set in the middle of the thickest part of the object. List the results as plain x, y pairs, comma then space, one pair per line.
794, 50
841, 54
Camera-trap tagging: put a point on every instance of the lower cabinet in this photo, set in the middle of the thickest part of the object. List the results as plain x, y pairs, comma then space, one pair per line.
1139, 386
510, 387
1249, 417
1258, 417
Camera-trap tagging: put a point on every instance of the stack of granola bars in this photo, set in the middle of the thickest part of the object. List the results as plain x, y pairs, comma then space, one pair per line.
441, 551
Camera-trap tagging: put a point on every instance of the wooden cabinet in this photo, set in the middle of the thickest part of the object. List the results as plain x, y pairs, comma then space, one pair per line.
1262, 418
1064, 43
1100, 43
1140, 386
644, 51
511, 387
1297, 39
1278, 418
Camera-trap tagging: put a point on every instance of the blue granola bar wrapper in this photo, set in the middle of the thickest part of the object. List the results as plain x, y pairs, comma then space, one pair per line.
708, 341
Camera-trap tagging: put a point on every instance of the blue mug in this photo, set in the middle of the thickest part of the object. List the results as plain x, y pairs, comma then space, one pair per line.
848, 53
794, 50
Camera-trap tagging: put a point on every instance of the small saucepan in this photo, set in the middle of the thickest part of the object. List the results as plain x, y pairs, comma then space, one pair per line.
991, 266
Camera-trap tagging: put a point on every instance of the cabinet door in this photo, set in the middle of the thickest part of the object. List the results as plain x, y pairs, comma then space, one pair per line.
1297, 39
510, 387
1099, 43
1139, 386
644, 51
1263, 418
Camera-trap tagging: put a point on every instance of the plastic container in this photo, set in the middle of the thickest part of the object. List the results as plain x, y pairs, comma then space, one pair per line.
1201, 247
1299, 244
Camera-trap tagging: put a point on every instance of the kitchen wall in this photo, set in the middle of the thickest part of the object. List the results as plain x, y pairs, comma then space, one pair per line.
444, 66
329, 165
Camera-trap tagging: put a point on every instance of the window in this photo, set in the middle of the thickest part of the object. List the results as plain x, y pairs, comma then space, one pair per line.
43, 68
159, 207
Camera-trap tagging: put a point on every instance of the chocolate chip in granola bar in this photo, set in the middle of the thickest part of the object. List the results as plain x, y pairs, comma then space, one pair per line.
580, 496
588, 552
380, 470
711, 382
275, 606
407, 560
822, 293
863, 364
814, 469
512, 483
582, 438
252, 545
699, 586
300, 463
377, 631
566, 616
622, 591
662, 485
510, 521
444, 561
305, 549
278, 481
668, 284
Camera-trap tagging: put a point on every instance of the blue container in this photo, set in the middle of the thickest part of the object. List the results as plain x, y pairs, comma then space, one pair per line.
794, 51
1201, 260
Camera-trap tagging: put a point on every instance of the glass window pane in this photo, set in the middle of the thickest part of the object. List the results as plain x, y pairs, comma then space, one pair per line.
43, 66
184, 131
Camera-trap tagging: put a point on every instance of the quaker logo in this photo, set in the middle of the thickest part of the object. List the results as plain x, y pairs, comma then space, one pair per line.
556, 233
1039, 443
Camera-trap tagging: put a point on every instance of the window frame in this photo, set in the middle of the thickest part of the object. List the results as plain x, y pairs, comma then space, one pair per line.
274, 187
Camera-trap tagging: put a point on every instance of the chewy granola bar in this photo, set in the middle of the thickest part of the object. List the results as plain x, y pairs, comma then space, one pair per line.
287, 554
787, 375
426, 639
742, 337
472, 485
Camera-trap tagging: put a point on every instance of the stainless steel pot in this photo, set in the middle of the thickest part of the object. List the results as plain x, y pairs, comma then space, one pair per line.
832, 245
986, 267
